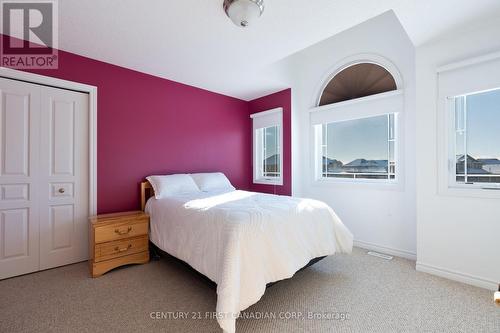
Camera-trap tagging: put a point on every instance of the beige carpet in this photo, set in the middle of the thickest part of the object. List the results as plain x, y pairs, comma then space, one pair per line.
369, 294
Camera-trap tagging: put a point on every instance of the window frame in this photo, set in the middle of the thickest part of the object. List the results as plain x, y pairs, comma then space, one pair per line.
469, 76
391, 102
320, 153
262, 120
451, 139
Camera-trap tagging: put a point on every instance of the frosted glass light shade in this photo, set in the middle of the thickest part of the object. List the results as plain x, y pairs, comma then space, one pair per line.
244, 12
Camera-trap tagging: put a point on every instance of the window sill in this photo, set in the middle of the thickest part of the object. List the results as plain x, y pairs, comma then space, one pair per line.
470, 191
374, 184
268, 182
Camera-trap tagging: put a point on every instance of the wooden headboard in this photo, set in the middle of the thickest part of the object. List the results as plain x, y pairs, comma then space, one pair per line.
146, 193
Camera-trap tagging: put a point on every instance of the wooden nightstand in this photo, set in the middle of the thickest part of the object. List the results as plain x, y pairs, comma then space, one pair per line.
118, 239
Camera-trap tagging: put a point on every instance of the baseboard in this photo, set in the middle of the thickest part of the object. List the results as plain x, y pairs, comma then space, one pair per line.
386, 250
458, 276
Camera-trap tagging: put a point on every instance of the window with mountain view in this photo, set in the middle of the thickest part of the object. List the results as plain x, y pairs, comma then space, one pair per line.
267, 142
477, 138
270, 151
355, 126
359, 149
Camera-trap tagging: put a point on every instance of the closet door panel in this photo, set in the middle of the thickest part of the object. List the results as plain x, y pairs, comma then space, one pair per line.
16, 237
62, 134
16, 129
19, 162
64, 177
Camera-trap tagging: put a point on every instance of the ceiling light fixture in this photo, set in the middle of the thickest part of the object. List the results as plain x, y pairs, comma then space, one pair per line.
243, 12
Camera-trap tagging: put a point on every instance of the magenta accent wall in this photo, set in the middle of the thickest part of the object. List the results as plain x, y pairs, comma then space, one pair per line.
280, 99
149, 125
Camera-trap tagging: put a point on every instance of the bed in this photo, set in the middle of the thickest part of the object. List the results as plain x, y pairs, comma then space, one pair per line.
243, 241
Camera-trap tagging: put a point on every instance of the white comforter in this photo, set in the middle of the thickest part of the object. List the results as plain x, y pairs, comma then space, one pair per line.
244, 240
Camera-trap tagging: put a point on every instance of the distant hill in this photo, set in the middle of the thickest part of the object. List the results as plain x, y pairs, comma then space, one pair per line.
272, 163
273, 160
332, 165
364, 165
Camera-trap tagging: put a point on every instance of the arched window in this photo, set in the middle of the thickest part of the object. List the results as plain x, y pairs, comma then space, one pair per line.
359, 80
357, 140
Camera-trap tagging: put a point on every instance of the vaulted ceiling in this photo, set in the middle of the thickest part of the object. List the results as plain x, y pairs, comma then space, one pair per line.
193, 42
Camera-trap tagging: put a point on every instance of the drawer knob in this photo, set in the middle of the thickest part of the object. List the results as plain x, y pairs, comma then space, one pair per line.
61, 190
117, 249
119, 232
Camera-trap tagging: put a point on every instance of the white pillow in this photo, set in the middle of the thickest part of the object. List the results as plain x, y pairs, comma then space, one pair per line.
212, 181
167, 186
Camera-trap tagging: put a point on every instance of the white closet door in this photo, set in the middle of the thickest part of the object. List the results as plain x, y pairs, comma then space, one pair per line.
64, 177
19, 162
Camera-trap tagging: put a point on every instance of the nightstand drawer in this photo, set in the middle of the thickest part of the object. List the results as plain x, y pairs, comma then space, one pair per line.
120, 231
120, 248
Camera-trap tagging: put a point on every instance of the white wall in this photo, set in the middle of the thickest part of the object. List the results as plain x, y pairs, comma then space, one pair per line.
381, 217
458, 237
455, 236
